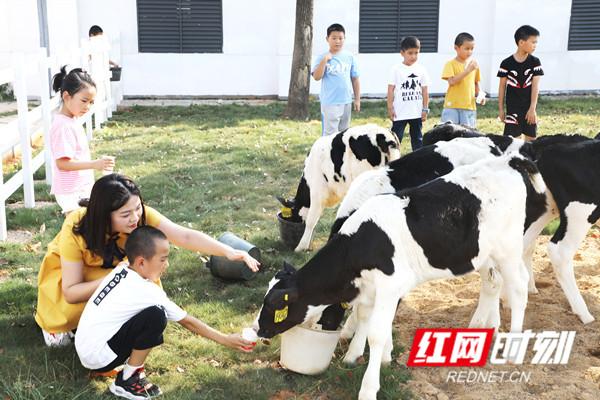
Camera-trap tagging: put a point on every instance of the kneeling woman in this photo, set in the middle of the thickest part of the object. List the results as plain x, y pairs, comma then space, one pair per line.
90, 244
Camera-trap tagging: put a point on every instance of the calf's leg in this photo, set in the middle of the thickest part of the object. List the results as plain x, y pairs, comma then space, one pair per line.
487, 314
573, 227
515, 277
529, 239
314, 213
356, 348
379, 332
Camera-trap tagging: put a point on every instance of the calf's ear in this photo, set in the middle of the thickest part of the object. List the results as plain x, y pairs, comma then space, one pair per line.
289, 268
280, 298
285, 202
286, 271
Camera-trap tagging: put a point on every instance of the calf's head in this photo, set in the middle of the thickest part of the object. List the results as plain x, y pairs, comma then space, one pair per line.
296, 208
282, 307
448, 131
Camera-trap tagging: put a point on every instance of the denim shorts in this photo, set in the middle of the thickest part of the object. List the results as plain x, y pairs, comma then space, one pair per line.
460, 116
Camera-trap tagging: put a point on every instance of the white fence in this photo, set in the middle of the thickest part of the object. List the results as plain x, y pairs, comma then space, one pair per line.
18, 133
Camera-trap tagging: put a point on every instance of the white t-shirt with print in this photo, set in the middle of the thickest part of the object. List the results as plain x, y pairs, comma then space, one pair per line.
122, 294
408, 91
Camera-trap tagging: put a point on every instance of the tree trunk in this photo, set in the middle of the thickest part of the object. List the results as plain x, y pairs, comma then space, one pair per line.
297, 105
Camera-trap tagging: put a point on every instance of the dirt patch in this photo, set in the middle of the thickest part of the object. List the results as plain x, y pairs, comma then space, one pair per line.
450, 303
38, 204
19, 236
4, 275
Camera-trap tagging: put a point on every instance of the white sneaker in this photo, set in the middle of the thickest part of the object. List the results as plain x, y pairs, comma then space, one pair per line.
59, 339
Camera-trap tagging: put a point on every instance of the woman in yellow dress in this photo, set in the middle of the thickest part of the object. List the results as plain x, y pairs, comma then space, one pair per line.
91, 242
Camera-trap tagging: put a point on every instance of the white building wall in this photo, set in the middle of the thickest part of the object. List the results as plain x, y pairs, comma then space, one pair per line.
258, 39
16, 33
20, 33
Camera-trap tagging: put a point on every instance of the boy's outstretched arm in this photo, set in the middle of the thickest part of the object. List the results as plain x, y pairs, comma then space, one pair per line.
531, 116
234, 341
501, 94
356, 88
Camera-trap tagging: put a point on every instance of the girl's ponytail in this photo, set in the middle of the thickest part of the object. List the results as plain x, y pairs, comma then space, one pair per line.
57, 80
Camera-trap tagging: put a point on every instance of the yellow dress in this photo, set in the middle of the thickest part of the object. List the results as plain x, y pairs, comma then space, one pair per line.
53, 313
461, 95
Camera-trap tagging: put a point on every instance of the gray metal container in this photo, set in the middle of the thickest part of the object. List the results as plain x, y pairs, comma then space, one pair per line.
290, 232
234, 270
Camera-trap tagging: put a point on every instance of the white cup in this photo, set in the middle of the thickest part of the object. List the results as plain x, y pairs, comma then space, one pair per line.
480, 97
249, 334
109, 170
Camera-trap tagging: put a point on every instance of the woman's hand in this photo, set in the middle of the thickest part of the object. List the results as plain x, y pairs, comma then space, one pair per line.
238, 255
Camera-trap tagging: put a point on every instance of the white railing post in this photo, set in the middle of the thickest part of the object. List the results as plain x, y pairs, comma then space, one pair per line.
22, 115
46, 111
7, 75
84, 54
88, 127
3, 229
106, 75
116, 92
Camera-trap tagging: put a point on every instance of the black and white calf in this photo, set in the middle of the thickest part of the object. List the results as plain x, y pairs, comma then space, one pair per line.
331, 165
570, 166
571, 171
414, 169
448, 131
469, 219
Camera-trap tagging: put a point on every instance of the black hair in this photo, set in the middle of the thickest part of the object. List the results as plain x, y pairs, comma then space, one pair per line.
409, 42
142, 242
95, 30
109, 193
525, 32
335, 28
463, 37
76, 80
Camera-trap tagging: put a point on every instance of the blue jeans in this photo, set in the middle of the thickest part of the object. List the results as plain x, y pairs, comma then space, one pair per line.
415, 125
460, 116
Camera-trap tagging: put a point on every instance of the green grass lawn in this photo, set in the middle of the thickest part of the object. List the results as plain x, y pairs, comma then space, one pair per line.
216, 169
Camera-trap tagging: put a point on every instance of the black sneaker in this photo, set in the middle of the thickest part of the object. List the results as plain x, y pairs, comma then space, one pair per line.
136, 387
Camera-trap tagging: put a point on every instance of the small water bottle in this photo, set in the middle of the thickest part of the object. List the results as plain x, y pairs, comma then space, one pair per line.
480, 97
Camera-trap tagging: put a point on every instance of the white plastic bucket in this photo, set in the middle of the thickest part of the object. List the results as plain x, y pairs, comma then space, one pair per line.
307, 351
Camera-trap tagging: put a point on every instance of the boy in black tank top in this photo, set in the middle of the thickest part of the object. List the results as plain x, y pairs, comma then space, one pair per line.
519, 82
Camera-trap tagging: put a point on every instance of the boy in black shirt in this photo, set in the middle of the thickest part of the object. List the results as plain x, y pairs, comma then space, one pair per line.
519, 79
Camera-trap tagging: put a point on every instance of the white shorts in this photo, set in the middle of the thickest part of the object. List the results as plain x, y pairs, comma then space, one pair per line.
70, 202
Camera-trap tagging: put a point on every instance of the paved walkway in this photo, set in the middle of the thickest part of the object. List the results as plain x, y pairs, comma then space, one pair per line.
188, 102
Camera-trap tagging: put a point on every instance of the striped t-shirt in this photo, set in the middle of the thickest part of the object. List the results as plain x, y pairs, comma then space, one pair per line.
68, 140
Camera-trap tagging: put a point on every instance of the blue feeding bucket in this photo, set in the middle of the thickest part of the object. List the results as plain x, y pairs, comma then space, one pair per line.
233, 270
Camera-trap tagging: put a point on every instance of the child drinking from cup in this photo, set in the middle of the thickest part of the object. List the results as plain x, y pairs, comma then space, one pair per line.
73, 175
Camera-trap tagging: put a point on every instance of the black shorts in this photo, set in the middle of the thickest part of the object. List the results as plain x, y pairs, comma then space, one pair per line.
143, 331
515, 124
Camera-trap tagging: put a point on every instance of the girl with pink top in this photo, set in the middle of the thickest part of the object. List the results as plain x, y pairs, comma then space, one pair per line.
73, 175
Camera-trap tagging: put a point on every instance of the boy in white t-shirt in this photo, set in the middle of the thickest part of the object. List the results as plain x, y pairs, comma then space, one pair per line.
408, 94
127, 314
